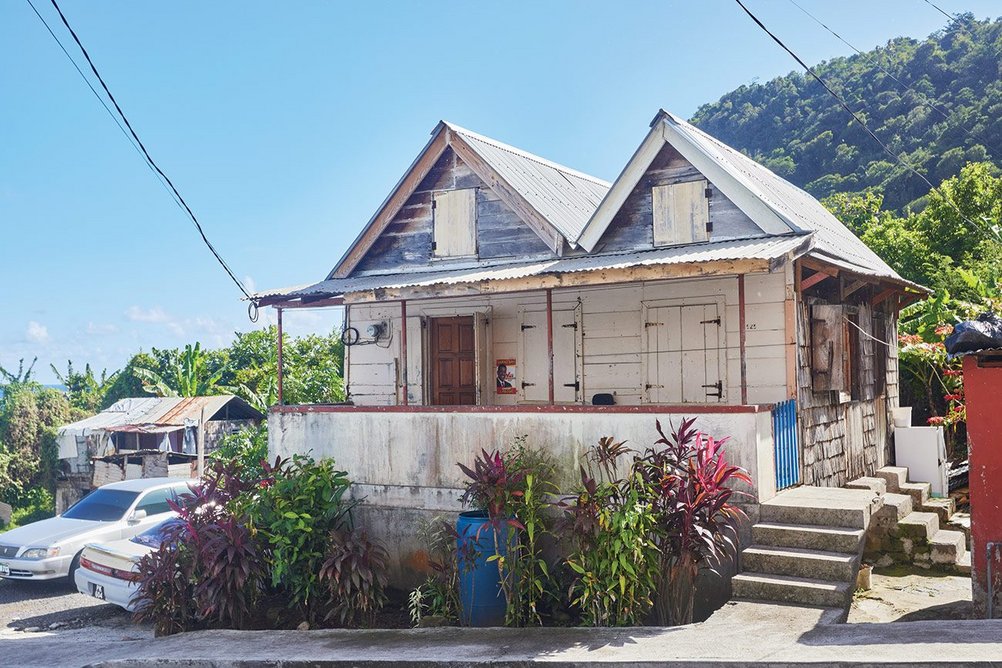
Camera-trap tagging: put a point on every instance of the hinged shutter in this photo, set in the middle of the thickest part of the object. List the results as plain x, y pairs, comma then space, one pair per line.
681, 213
455, 218
827, 348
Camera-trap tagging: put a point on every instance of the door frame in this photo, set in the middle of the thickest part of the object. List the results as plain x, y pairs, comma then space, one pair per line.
483, 341
578, 311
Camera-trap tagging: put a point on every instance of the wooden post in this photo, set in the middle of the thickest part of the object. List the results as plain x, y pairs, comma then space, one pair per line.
549, 340
200, 444
279, 356
741, 339
403, 348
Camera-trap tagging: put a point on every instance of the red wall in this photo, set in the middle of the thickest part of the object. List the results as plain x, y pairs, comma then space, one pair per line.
983, 393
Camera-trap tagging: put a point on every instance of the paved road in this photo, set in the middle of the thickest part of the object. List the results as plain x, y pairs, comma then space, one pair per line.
53, 602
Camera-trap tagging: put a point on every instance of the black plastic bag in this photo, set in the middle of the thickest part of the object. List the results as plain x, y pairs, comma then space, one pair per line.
983, 333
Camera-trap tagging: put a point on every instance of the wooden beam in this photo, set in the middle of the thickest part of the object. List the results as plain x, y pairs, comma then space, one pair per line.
279, 356
572, 279
741, 339
811, 263
908, 298
429, 156
848, 288
882, 295
812, 280
535, 220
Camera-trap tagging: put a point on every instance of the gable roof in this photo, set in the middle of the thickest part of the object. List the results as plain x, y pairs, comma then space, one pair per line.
774, 204
556, 202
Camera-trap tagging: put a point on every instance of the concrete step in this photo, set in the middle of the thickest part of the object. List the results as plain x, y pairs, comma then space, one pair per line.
894, 476
945, 507
895, 507
824, 506
963, 565
947, 547
919, 526
919, 491
786, 589
877, 485
961, 522
805, 536
800, 563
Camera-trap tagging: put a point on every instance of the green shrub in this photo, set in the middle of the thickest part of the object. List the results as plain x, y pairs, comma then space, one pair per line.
34, 505
246, 450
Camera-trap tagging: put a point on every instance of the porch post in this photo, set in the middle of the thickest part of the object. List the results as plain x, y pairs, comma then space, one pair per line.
549, 340
279, 355
741, 339
403, 348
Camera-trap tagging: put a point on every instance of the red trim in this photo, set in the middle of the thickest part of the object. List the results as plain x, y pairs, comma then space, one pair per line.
695, 409
549, 342
403, 347
741, 338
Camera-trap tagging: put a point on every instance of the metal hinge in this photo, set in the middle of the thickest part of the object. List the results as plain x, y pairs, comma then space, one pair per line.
525, 384
648, 386
715, 321
434, 245
576, 385
708, 192
709, 226
573, 325
653, 324
525, 327
719, 387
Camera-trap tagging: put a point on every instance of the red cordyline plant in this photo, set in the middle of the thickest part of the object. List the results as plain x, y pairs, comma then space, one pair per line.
492, 487
689, 483
354, 575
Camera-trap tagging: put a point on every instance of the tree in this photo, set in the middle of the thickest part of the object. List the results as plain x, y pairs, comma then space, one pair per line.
85, 390
188, 375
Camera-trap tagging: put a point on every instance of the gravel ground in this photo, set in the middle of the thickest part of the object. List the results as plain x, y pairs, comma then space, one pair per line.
53, 605
909, 594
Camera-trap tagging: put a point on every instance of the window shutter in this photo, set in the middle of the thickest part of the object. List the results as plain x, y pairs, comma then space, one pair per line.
681, 213
828, 348
455, 217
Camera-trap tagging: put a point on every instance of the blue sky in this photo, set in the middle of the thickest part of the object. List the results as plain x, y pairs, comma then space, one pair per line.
285, 124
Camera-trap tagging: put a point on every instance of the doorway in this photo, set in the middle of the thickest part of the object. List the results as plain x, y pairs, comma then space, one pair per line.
453, 361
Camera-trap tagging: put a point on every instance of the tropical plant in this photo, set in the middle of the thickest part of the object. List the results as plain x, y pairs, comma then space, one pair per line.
165, 594
21, 377
247, 450
354, 574
84, 390
187, 376
438, 595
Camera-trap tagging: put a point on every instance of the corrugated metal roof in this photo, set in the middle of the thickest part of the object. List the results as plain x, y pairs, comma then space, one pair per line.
565, 197
745, 249
799, 209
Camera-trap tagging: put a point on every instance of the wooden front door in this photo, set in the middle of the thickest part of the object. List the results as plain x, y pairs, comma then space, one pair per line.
453, 362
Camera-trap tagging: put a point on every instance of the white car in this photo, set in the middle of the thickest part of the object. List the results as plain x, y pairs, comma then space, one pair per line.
108, 570
51, 548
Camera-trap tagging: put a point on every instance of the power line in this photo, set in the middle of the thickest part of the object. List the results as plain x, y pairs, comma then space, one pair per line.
924, 100
856, 117
145, 152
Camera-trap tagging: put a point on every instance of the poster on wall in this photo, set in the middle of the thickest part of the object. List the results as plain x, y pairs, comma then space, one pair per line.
505, 375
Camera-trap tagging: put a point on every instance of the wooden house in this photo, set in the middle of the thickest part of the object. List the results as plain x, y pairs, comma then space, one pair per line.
495, 293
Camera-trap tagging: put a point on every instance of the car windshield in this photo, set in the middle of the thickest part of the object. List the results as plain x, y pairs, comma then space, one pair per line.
157, 534
102, 505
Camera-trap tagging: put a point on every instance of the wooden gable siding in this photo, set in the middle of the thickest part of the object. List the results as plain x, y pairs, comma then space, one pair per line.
632, 228
406, 242
612, 344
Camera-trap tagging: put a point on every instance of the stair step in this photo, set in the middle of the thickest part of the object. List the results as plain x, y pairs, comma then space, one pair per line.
800, 563
919, 526
876, 485
963, 565
894, 476
945, 507
961, 522
824, 506
896, 506
806, 536
786, 589
919, 491
947, 547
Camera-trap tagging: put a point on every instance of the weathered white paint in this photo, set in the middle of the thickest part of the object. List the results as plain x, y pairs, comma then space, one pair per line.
681, 213
455, 223
609, 344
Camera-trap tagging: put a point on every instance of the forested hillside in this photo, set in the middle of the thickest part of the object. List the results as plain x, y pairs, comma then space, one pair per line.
943, 111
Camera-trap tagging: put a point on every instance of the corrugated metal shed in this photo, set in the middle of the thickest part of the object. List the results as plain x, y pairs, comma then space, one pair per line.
747, 249
565, 197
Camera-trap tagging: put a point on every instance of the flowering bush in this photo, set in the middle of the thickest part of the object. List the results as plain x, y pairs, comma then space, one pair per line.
928, 374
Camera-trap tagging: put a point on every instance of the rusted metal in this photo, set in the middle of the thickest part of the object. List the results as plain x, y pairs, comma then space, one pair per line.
549, 343
741, 338
403, 349
279, 356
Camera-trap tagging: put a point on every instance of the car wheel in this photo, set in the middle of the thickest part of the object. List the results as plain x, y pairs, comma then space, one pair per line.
74, 565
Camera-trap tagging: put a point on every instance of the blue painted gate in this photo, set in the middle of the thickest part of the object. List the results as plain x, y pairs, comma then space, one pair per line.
784, 437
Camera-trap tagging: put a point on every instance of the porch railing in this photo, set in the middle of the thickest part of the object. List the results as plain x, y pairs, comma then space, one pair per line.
784, 435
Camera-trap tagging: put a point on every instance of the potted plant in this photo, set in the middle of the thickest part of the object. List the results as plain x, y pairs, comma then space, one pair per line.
482, 539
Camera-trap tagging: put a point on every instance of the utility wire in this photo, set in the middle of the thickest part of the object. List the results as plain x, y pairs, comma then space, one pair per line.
146, 153
859, 120
924, 100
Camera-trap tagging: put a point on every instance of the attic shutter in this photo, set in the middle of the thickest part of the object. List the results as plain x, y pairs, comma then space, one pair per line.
681, 213
455, 217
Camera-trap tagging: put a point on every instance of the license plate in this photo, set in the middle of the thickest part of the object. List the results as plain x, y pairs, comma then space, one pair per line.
97, 591
4, 569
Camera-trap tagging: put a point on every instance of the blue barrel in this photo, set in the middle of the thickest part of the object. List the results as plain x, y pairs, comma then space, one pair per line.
481, 601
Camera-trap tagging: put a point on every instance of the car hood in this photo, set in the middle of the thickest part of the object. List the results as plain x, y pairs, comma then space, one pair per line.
47, 532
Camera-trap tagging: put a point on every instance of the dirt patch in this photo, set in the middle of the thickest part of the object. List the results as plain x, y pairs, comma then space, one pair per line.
910, 593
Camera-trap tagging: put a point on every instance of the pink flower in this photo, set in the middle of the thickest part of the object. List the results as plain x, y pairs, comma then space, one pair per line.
936, 421
953, 397
952, 372
944, 330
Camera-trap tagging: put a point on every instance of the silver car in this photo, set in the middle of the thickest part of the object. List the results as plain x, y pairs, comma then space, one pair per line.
51, 548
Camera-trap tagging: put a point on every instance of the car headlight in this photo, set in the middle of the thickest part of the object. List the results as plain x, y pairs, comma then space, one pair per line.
40, 553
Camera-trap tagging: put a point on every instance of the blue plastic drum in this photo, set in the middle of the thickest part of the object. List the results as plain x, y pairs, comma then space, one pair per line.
481, 600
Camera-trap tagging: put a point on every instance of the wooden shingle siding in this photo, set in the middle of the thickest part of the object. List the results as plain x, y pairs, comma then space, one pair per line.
406, 243
633, 226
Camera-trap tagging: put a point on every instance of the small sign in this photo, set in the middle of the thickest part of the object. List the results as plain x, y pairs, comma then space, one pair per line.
505, 376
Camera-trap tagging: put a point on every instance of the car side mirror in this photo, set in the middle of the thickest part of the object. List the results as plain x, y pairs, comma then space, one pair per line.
137, 516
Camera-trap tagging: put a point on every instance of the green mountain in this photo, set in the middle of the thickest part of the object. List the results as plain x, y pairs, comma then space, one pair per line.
937, 103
